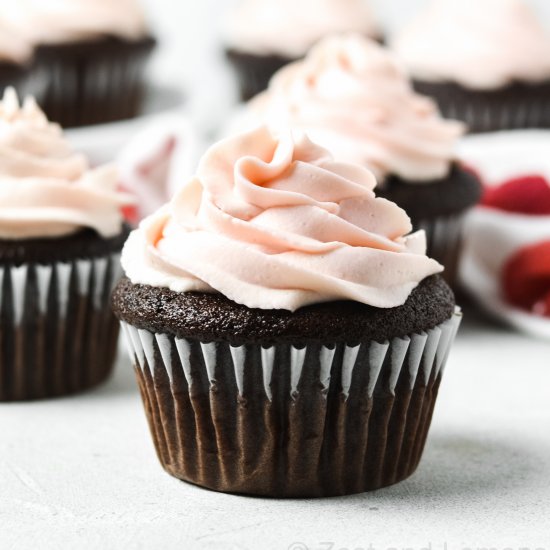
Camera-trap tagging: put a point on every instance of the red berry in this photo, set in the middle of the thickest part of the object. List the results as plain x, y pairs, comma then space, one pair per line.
130, 214
524, 195
526, 278
543, 307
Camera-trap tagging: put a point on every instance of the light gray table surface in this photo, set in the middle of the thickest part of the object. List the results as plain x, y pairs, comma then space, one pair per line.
81, 472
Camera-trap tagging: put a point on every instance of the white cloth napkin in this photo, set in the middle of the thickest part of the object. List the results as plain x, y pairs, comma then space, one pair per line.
158, 161
492, 236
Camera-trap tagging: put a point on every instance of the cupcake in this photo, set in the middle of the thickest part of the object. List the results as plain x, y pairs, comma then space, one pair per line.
486, 62
61, 232
351, 96
288, 334
90, 54
264, 35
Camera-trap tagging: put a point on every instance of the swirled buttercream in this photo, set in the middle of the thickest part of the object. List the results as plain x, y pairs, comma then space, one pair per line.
275, 223
47, 190
480, 44
351, 96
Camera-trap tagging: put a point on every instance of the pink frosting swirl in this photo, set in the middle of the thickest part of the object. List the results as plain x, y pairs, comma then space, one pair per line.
276, 223
352, 96
46, 190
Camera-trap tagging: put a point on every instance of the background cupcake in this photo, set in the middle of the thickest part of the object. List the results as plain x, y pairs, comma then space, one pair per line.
61, 232
270, 309
351, 95
90, 55
486, 62
264, 35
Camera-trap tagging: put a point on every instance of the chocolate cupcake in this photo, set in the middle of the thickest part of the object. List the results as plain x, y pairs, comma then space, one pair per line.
90, 56
485, 62
61, 232
264, 35
288, 336
351, 95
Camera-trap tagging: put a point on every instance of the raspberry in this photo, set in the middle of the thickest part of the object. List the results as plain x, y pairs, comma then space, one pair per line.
526, 279
524, 195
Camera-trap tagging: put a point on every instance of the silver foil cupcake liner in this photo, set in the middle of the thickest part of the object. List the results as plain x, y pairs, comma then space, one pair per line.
57, 332
286, 421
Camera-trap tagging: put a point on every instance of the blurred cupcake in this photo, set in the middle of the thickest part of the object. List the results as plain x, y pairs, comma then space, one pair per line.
288, 334
90, 55
486, 62
264, 35
506, 264
61, 232
351, 96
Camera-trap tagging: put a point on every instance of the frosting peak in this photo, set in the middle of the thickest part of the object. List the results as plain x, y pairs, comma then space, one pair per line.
290, 28
30, 146
480, 44
47, 190
275, 223
352, 96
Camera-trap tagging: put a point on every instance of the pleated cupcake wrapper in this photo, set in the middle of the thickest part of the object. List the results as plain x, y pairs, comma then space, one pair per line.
254, 71
289, 421
486, 117
101, 87
515, 108
57, 333
444, 242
